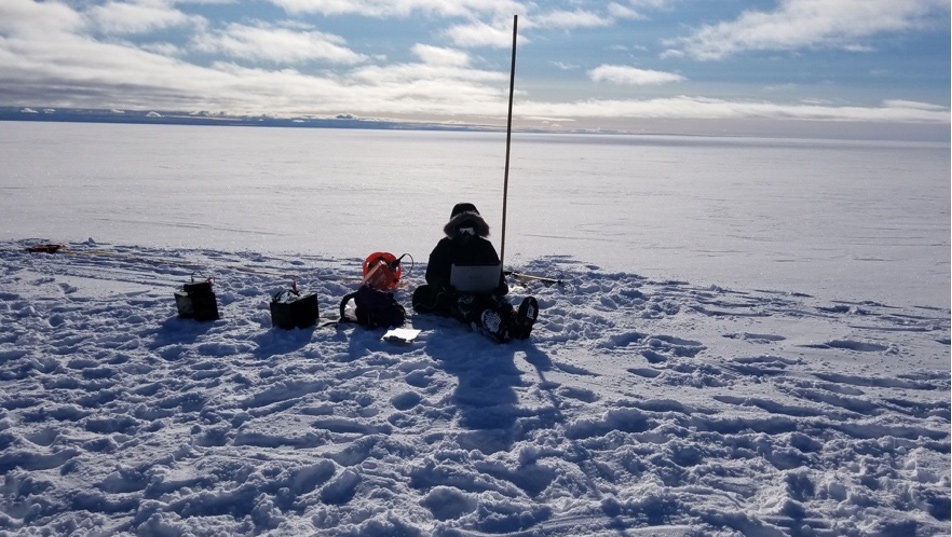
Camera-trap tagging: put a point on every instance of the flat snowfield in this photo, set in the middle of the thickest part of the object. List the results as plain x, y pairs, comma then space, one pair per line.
639, 406
846, 220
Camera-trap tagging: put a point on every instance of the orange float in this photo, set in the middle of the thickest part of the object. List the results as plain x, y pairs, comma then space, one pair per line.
382, 271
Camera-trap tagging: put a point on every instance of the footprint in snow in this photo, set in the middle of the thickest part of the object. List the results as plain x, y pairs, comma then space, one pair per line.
846, 344
644, 372
756, 338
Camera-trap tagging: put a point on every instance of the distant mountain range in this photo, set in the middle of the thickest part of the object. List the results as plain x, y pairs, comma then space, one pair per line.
729, 128
159, 117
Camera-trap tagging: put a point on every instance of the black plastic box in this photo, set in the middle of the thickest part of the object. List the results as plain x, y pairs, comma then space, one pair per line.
291, 309
197, 301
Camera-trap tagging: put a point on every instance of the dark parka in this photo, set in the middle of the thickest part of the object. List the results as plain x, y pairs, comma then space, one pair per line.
465, 243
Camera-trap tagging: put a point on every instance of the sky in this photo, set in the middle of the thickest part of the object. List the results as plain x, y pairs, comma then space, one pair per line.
787, 66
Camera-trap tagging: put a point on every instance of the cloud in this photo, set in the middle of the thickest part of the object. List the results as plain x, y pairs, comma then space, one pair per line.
687, 107
441, 56
25, 17
480, 34
621, 74
564, 66
799, 24
65, 68
277, 45
52, 54
619, 11
568, 20
400, 8
433, 76
654, 4
138, 17
163, 49
896, 103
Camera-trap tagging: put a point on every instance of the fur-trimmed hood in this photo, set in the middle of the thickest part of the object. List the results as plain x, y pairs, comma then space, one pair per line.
466, 220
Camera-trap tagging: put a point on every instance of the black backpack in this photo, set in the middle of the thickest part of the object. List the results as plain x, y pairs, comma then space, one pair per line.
373, 308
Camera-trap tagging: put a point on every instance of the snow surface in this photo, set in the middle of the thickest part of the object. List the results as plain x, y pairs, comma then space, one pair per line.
639, 407
844, 220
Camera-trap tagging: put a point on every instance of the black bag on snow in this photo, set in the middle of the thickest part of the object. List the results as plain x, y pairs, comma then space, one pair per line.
290, 309
197, 301
373, 308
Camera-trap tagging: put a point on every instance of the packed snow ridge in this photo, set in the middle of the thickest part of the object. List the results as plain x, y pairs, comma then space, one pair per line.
638, 407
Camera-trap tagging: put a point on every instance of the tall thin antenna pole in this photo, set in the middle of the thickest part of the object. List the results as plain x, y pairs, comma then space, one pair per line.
505, 187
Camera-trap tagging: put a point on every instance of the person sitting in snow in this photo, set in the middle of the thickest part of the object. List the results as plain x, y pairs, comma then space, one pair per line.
488, 312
